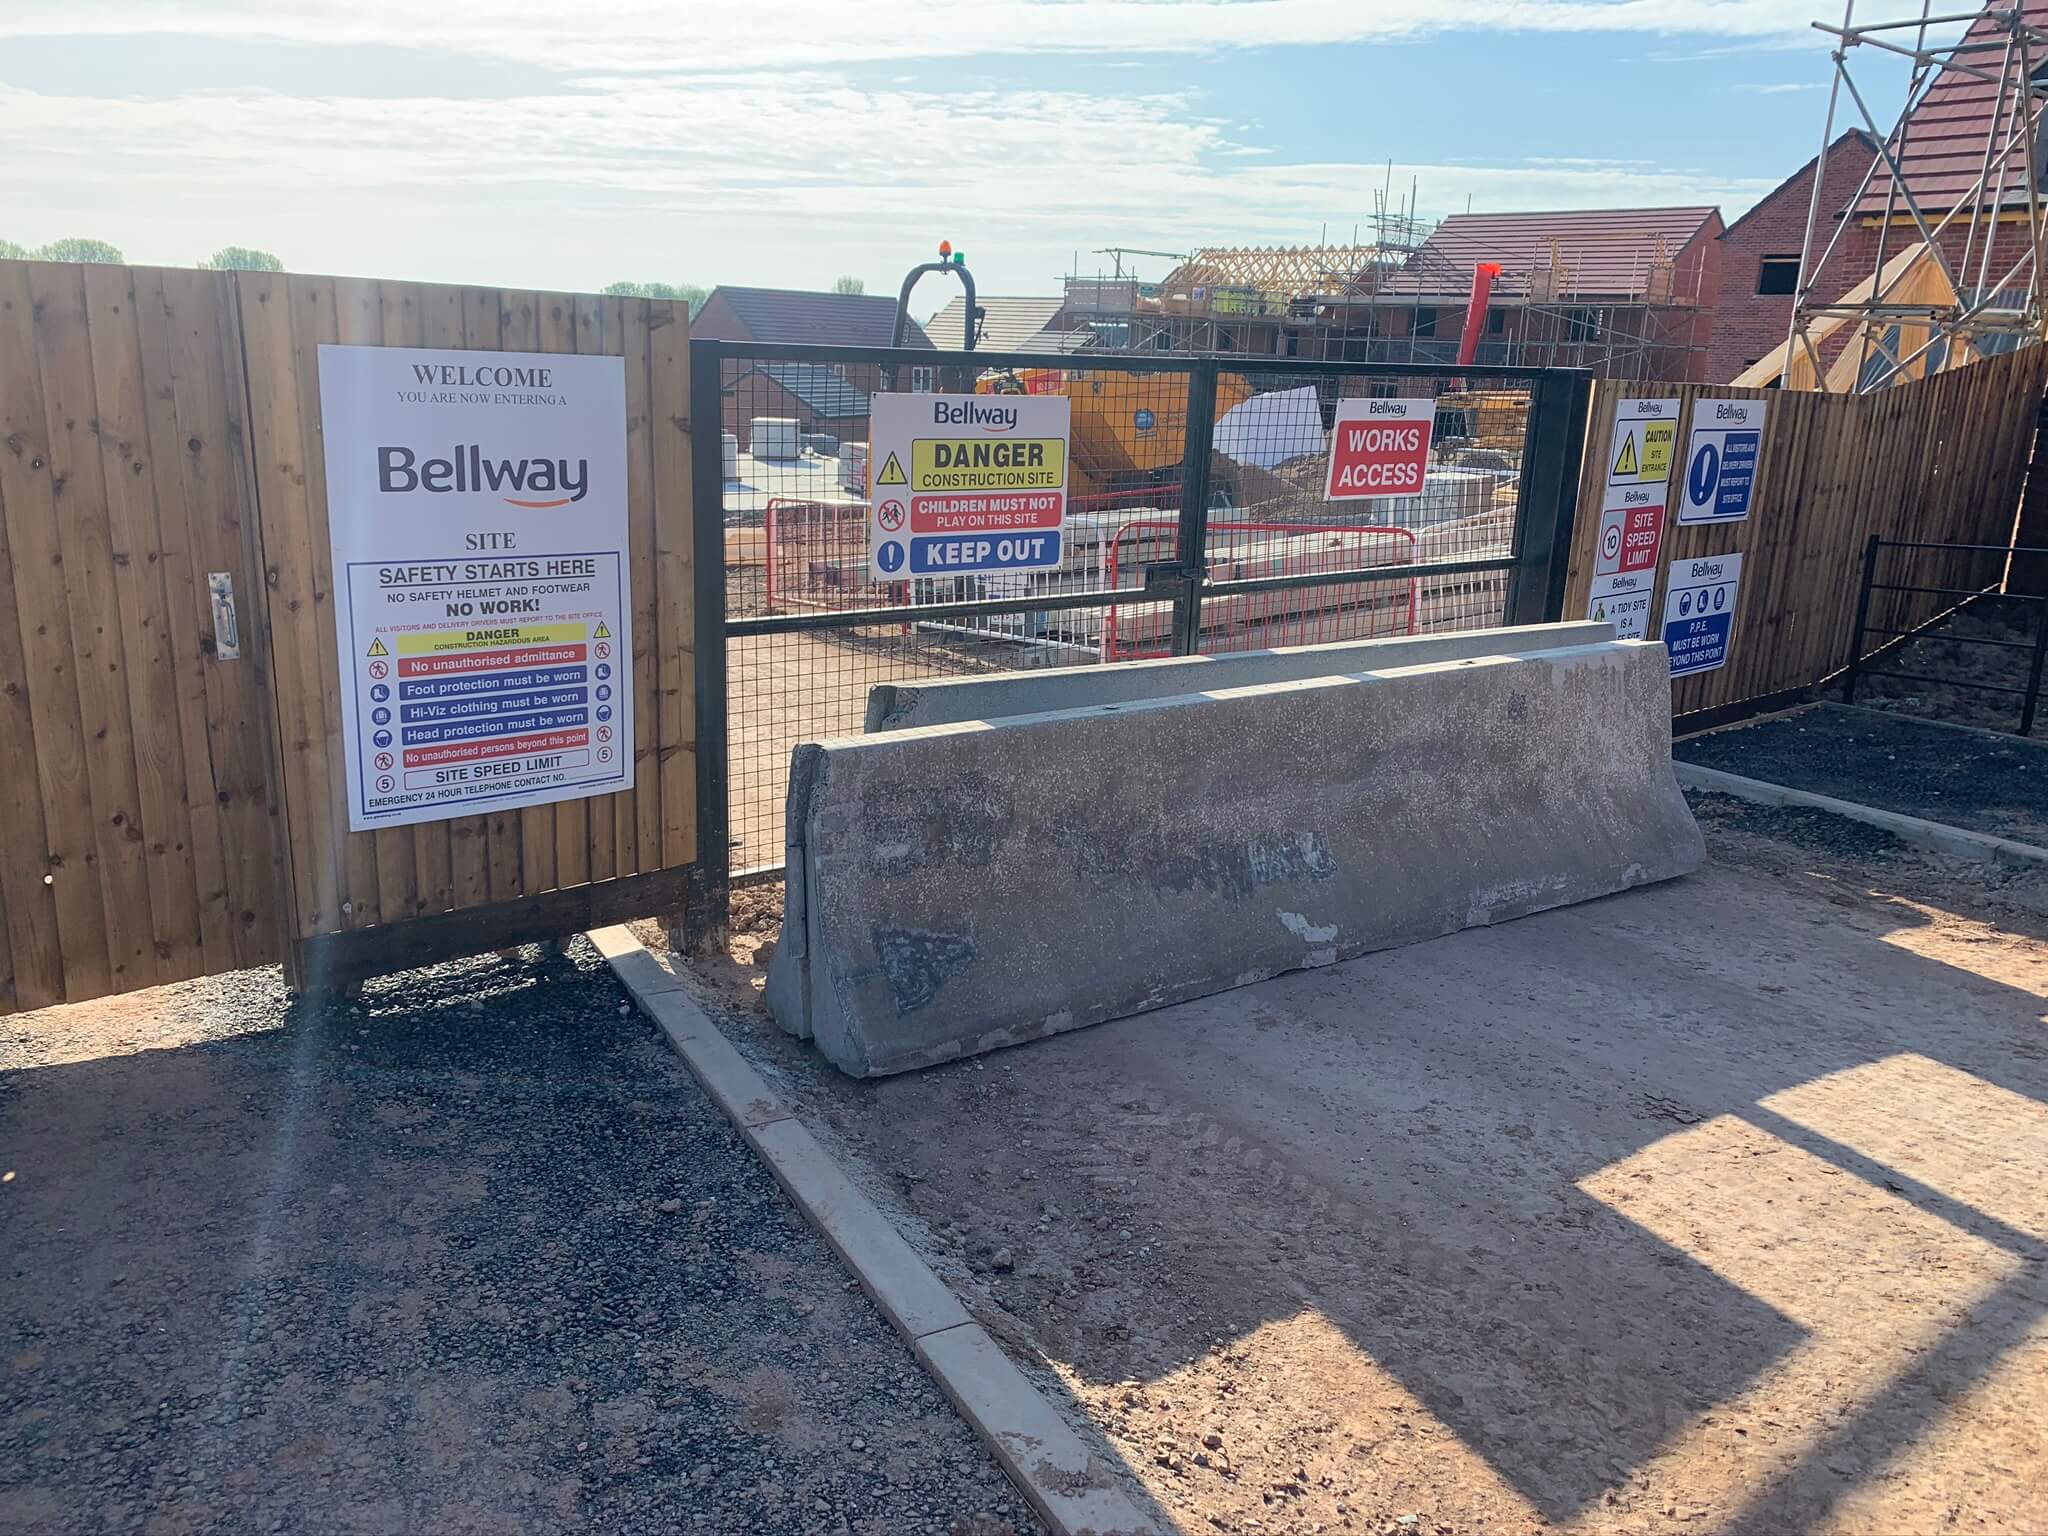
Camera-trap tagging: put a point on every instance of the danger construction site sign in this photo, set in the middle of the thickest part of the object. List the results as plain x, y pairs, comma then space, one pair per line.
967, 484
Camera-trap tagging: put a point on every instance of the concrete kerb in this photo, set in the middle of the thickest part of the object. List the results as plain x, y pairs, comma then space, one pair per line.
1074, 1492
1959, 842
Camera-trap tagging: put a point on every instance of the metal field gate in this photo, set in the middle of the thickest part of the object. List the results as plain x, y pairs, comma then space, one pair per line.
1196, 524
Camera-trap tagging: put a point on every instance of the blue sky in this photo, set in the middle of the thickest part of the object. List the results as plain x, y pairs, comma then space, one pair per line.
787, 142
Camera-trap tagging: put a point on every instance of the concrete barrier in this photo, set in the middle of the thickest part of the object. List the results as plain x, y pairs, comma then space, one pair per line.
905, 706
960, 887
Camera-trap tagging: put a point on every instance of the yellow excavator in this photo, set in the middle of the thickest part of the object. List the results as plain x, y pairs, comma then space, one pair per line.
1129, 429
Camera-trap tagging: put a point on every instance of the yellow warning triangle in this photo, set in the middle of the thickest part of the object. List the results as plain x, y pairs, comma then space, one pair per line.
377, 649
892, 472
601, 632
1626, 464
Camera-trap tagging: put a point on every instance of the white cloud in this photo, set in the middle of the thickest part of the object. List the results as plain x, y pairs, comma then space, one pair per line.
770, 177
699, 35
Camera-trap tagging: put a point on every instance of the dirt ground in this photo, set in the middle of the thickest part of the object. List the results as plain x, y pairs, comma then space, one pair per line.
1966, 676
474, 1257
1718, 1206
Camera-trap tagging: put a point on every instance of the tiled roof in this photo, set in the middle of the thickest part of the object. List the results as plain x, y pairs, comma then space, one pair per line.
1005, 324
1607, 252
1943, 154
822, 389
825, 319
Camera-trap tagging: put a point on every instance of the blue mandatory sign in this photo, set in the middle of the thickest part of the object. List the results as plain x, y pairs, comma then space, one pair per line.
1144, 420
1699, 612
889, 556
604, 690
604, 669
984, 552
381, 692
604, 711
1720, 465
380, 717
382, 739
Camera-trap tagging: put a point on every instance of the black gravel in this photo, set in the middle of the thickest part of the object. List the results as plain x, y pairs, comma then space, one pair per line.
1966, 778
472, 1255
1800, 826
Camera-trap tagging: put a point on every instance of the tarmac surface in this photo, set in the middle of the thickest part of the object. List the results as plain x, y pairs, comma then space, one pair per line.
474, 1256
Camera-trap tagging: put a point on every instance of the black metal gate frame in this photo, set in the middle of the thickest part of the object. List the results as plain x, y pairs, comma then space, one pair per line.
1537, 563
1895, 640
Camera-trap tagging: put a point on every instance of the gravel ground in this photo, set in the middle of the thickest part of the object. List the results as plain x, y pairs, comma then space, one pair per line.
473, 1255
1966, 778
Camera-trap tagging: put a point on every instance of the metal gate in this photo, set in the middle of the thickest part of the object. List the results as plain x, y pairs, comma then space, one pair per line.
1196, 523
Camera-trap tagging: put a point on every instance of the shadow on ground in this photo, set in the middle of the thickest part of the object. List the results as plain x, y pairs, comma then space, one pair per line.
473, 1255
1715, 1206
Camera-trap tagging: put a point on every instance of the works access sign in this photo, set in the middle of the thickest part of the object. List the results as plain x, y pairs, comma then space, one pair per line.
966, 484
1379, 448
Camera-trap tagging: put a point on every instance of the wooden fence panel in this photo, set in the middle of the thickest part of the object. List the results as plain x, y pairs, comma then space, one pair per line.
165, 813
1938, 460
503, 868
136, 837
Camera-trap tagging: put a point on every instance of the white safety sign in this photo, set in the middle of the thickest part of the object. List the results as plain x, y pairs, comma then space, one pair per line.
476, 506
1623, 600
1721, 461
1379, 448
1638, 482
966, 484
1699, 612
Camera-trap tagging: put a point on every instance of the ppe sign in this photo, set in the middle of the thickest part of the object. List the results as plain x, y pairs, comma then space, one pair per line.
970, 484
476, 505
1699, 612
1379, 448
1721, 458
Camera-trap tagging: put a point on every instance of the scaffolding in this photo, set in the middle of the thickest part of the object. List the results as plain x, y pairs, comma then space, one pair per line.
1959, 167
1380, 302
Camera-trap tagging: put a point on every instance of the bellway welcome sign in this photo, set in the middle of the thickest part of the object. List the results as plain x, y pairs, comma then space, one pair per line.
476, 505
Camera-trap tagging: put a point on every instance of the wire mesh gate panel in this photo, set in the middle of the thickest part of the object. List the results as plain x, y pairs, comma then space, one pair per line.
1196, 523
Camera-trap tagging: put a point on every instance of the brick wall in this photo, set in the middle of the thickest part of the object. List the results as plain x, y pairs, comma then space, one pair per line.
1747, 324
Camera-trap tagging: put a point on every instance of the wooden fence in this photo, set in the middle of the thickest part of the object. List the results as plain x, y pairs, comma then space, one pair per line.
1942, 460
165, 813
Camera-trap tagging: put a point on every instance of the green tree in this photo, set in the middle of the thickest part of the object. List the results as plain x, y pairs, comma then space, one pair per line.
679, 293
77, 248
9, 251
241, 258
849, 285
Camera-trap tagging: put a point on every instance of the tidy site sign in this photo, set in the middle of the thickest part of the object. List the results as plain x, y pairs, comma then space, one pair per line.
477, 515
966, 484
1379, 448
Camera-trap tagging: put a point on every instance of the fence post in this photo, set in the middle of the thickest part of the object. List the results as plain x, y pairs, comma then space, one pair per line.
1199, 440
2034, 669
1862, 619
707, 916
1547, 508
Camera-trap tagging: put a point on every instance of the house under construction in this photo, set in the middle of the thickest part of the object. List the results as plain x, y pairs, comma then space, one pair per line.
1934, 259
1627, 293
